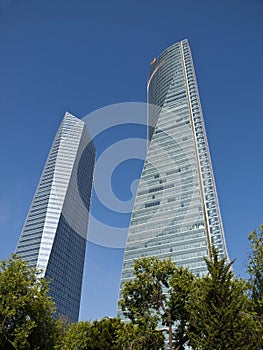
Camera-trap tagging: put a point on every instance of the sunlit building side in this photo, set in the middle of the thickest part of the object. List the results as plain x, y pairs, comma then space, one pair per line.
54, 235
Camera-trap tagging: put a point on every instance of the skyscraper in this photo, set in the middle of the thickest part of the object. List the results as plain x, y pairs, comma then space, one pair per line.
176, 212
54, 235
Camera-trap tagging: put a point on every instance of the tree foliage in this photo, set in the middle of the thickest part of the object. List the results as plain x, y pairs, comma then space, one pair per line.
255, 271
216, 311
209, 312
219, 315
135, 337
26, 310
255, 268
159, 294
109, 334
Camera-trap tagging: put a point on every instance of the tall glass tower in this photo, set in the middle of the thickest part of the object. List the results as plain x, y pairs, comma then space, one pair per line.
176, 212
54, 235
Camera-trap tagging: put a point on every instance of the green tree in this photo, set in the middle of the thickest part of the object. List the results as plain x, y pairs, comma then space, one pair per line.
219, 315
255, 268
26, 310
135, 337
77, 337
109, 334
255, 271
159, 294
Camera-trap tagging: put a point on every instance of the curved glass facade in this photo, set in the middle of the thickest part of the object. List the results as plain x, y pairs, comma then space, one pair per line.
54, 235
176, 212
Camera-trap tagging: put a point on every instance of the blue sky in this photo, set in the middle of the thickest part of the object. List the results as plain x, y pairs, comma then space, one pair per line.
83, 55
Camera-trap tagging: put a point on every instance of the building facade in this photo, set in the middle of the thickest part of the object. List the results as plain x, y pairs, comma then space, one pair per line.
54, 235
176, 212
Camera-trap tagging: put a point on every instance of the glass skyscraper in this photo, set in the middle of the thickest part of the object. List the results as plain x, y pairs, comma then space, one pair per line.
176, 212
54, 235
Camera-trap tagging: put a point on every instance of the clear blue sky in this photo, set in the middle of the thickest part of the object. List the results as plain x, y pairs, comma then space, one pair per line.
83, 55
